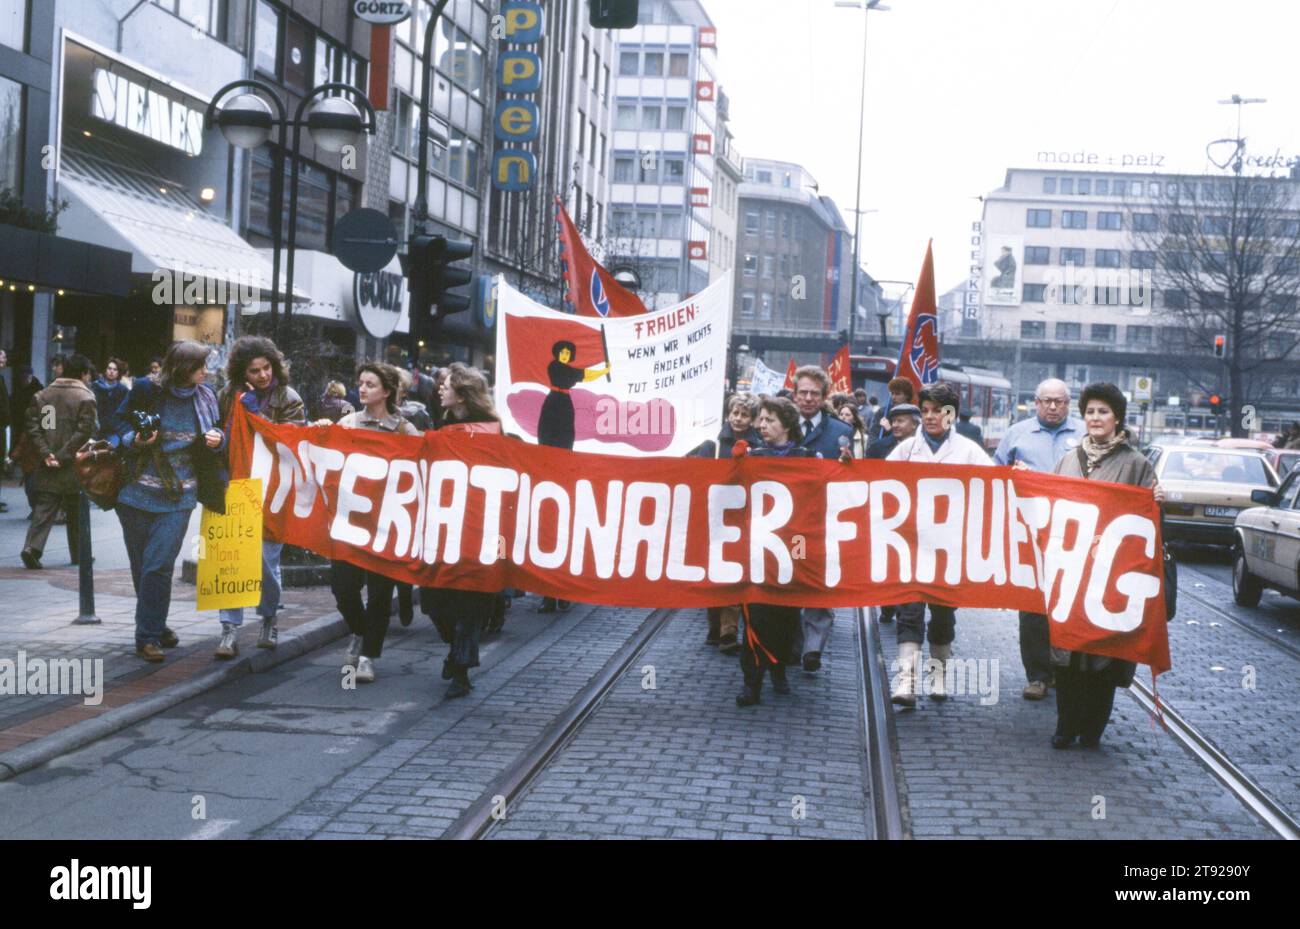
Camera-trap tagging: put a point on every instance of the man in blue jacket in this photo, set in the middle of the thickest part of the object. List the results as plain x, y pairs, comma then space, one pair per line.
822, 435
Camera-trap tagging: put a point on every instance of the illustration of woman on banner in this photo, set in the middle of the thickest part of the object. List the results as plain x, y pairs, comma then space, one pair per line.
556, 425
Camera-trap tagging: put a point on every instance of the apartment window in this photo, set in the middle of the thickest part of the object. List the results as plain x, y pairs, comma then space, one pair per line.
769, 266
207, 15
1085, 186
1038, 219
1145, 222
1288, 228
679, 64
1067, 185
1033, 329
1215, 263
11, 135
647, 225
266, 39
582, 133
1136, 188
649, 171
1103, 187
1072, 256
1142, 260
591, 154
764, 177
676, 118
625, 118
1035, 293
1074, 219
629, 63
1110, 221
1102, 333
1037, 254
604, 94
586, 57
654, 64
672, 225
765, 308
1069, 332
624, 170
1049, 185
652, 117
674, 171
751, 265
747, 306
770, 218
1216, 225
1109, 258
785, 225
1182, 224
604, 150
622, 222
782, 266
1141, 335
753, 222
1175, 299
1285, 265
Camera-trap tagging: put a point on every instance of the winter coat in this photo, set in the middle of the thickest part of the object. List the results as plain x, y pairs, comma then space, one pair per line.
1125, 465
727, 439
61, 419
282, 405
108, 398
334, 408
825, 439
956, 449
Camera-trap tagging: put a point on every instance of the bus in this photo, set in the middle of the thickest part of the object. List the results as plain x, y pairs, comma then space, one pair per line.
985, 393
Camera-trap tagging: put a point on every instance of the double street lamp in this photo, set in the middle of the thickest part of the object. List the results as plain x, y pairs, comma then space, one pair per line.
247, 121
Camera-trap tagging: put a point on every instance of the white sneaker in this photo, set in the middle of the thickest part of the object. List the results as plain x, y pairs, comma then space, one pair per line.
354, 652
228, 647
365, 670
909, 655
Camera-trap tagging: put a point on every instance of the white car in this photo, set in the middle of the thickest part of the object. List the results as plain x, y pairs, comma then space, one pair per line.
1266, 544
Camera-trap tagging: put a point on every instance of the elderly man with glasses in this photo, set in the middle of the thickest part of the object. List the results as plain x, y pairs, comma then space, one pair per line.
1038, 444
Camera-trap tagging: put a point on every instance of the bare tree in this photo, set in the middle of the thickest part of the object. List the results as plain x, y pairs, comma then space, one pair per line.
1225, 255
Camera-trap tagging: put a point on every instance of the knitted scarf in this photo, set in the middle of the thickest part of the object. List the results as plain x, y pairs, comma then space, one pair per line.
1096, 452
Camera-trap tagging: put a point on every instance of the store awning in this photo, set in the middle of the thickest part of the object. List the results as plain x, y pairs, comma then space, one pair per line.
118, 203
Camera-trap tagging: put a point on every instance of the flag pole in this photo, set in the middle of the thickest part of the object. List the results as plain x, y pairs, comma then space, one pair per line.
604, 345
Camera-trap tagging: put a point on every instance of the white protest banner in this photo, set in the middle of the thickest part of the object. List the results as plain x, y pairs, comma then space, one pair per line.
764, 380
629, 386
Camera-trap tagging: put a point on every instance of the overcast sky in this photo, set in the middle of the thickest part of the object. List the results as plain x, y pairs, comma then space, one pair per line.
960, 90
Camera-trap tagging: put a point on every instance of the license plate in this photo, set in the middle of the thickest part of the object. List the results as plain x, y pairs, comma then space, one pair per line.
1224, 511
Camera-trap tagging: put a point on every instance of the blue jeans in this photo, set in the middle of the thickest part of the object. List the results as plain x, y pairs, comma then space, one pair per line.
153, 540
270, 601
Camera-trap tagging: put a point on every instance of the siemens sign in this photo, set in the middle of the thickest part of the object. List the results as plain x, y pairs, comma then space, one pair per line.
517, 120
118, 99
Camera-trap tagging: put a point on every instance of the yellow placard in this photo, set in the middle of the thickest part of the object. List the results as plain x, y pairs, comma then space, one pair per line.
230, 550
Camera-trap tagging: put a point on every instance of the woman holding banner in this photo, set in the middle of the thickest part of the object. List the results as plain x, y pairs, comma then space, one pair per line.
769, 629
377, 388
1085, 684
462, 614
257, 377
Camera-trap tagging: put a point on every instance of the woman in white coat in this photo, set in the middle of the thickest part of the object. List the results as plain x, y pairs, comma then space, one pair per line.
937, 442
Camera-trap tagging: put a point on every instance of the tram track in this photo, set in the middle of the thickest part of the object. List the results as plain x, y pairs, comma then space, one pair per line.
882, 801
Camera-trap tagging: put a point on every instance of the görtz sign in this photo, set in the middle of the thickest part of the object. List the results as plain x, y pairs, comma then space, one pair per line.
382, 12
147, 111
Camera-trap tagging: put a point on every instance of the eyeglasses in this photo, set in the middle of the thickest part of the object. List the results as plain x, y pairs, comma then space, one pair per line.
1053, 401
808, 393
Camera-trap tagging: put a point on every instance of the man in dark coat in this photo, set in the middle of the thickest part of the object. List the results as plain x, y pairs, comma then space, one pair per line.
60, 419
967, 428
903, 422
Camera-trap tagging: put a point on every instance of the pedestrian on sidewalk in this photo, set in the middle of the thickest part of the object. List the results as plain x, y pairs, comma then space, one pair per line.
170, 432
60, 419
377, 389
724, 621
465, 399
937, 443
770, 629
1085, 684
26, 386
6, 416
822, 434
110, 392
257, 375
1039, 444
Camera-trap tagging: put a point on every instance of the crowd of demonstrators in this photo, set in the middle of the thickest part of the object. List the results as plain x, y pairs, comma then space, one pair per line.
1039, 443
1086, 684
378, 388
258, 377
937, 443
59, 420
171, 433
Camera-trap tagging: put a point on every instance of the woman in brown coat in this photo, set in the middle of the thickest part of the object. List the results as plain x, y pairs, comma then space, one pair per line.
1085, 684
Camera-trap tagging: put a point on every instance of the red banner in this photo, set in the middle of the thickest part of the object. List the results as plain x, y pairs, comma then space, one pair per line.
592, 291
789, 375
483, 512
841, 379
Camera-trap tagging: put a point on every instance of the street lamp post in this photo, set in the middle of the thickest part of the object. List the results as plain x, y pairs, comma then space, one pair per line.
246, 123
866, 9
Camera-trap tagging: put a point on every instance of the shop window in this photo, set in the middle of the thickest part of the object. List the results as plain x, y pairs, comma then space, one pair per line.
11, 136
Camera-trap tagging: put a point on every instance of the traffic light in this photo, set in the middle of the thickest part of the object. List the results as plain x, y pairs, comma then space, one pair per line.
1220, 346
432, 275
614, 14
1216, 404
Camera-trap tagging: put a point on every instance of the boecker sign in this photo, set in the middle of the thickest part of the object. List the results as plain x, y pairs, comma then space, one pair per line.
517, 120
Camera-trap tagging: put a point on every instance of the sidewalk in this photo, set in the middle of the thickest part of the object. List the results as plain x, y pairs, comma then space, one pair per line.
37, 609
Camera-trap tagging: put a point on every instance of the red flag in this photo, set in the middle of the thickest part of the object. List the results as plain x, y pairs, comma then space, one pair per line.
789, 375
918, 359
592, 290
841, 380
533, 341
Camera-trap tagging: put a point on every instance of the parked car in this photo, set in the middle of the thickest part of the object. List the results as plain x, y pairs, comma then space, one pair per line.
1206, 488
1283, 460
1266, 546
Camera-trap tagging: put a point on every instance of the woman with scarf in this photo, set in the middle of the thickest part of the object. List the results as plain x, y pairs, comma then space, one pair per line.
769, 629
256, 375
175, 463
1085, 684
461, 614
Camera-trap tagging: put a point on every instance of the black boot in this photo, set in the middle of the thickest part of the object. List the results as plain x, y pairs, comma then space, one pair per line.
779, 684
459, 684
748, 695
548, 605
